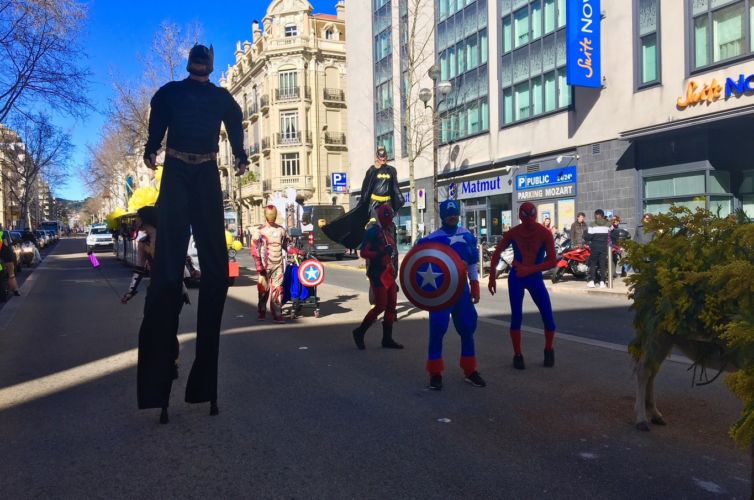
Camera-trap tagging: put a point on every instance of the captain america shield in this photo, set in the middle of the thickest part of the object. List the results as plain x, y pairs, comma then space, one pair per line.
311, 273
432, 276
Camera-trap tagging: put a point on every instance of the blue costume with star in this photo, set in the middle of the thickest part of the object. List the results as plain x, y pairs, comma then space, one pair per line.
463, 311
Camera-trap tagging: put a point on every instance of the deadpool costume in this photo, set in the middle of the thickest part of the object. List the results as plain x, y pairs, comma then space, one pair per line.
190, 111
378, 247
380, 187
534, 252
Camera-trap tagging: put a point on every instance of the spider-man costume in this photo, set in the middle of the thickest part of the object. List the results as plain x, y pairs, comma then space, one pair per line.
534, 250
378, 247
464, 314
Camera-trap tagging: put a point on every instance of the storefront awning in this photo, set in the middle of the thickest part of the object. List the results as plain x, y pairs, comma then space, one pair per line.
696, 121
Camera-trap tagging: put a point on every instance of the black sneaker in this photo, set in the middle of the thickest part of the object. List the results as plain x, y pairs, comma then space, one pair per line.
518, 362
549, 358
476, 380
435, 382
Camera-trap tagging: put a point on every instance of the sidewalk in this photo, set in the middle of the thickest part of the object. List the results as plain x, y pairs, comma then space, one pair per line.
568, 285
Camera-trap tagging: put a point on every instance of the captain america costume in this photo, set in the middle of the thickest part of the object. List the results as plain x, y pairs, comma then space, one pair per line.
463, 311
534, 252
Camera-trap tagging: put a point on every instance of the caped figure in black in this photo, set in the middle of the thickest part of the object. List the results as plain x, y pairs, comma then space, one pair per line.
380, 186
190, 200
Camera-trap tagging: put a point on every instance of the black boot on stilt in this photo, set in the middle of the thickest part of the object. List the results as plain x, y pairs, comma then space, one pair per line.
164, 415
213, 409
358, 335
387, 337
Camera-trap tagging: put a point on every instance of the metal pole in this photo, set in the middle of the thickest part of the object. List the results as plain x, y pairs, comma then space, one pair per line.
609, 265
435, 140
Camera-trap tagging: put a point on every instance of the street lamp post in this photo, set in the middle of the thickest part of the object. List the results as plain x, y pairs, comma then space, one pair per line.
444, 87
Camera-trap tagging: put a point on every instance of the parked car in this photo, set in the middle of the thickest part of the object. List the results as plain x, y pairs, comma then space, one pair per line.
314, 241
42, 238
99, 237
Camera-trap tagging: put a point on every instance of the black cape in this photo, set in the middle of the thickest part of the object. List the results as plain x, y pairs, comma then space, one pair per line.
349, 228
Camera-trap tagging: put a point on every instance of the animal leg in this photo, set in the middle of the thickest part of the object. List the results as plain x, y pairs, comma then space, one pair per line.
651, 408
640, 410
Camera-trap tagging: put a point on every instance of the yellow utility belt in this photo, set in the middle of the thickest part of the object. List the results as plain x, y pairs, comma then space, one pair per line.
377, 197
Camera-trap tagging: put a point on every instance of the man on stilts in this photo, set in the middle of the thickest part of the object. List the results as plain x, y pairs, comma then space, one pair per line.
534, 252
191, 112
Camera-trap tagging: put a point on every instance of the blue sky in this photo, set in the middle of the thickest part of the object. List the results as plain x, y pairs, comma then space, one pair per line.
118, 30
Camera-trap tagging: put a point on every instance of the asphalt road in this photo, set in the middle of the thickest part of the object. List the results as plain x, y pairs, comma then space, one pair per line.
306, 415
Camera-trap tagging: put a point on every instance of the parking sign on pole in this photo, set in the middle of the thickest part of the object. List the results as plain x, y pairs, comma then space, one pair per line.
339, 182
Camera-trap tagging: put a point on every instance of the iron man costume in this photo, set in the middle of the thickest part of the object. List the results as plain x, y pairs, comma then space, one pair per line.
267, 246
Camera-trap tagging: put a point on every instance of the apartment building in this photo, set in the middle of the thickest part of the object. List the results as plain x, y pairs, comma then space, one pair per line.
663, 119
290, 82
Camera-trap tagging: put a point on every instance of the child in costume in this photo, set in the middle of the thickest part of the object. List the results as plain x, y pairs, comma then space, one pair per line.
378, 247
534, 252
463, 311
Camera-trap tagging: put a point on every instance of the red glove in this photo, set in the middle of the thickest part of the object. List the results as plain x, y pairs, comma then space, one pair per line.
474, 292
492, 285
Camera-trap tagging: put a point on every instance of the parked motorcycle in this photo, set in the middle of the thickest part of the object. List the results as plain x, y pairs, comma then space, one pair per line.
574, 261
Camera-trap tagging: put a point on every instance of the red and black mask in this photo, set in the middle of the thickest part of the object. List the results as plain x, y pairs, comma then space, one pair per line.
385, 215
528, 214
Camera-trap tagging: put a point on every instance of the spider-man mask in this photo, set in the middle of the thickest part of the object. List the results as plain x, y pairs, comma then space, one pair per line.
385, 215
528, 214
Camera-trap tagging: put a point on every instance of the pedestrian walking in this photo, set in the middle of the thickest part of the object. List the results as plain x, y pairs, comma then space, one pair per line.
597, 239
191, 112
578, 229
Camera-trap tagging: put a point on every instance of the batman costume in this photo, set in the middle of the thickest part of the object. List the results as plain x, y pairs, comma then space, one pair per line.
380, 186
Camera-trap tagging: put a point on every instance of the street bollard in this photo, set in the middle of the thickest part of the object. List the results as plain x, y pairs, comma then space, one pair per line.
609, 265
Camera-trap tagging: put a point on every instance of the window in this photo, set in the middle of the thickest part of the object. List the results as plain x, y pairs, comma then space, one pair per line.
701, 189
288, 84
291, 30
462, 54
329, 34
289, 126
747, 193
647, 29
290, 164
722, 30
383, 75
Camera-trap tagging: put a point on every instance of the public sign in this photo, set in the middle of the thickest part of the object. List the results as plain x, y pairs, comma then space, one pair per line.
421, 199
452, 191
710, 92
556, 183
339, 182
311, 273
583, 43
432, 276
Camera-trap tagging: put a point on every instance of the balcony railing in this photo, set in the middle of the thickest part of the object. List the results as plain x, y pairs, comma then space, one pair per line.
264, 103
294, 182
265, 144
251, 189
287, 94
253, 110
292, 138
267, 185
253, 150
335, 138
334, 95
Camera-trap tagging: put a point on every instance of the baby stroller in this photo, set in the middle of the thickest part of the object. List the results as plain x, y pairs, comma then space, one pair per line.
300, 296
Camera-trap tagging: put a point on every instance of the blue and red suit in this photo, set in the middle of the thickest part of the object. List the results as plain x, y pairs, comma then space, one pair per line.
463, 311
534, 250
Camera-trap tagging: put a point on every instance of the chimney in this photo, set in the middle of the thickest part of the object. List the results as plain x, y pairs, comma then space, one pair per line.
340, 9
256, 32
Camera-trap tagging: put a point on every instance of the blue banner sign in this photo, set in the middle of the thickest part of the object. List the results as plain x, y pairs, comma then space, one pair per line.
546, 178
583, 45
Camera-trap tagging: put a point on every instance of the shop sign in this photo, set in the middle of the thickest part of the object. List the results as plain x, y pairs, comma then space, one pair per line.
713, 91
480, 188
583, 46
556, 183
